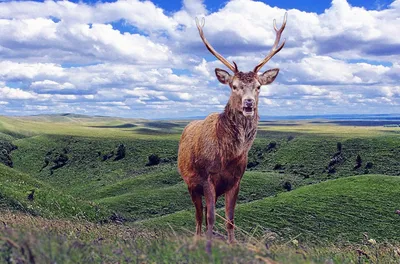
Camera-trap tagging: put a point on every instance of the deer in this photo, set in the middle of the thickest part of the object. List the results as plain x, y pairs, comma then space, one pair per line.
213, 153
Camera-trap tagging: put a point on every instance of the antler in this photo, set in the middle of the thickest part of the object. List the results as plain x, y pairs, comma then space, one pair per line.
275, 49
212, 50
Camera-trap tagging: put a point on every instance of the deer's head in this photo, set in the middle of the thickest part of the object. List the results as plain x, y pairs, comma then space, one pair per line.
245, 86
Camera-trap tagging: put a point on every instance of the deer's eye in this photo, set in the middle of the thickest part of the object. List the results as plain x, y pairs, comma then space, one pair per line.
258, 87
234, 87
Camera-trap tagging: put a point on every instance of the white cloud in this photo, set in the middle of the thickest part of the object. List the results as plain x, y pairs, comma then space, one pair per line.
26, 71
324, 69
17, 94
98, 42
132, 58
48, 85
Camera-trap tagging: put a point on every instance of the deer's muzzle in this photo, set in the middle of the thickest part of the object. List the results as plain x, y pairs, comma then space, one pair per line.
248, 107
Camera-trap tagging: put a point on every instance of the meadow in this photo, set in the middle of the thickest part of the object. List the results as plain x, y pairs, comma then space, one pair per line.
106, 190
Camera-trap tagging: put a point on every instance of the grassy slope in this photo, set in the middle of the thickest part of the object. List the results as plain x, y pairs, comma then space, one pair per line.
339, 210
128, 186
48, 202
27, 239
85, 172
310, 154
137, 192
138, 199
336, 210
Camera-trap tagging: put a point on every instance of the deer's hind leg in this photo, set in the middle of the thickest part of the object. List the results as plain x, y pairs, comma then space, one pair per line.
210, 197
198, 204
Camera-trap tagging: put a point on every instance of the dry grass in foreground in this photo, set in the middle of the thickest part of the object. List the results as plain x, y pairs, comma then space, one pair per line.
27, 239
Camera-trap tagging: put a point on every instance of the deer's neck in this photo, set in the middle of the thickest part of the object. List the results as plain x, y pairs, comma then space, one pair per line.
239, 128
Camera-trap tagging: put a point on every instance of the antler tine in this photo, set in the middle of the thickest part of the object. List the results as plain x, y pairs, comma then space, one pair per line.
211, 49
275, 49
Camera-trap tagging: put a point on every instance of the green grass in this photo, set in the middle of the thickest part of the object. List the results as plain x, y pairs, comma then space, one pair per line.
38, 240
309, 156
153, 195
85, 172
320, 210
85, 126
48, 202
332, 211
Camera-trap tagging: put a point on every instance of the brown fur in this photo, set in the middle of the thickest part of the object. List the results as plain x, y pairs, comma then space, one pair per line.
212, 160
213, 152
246, 77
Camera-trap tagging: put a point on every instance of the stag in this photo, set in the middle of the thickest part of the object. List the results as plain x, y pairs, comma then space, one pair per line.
213, 152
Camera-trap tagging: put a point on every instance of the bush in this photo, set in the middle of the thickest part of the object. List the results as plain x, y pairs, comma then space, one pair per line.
154, 159
358, 162
369, 165
121, 152
358, 159
252, 164
271, 145
339, 147
287, 186
5, 153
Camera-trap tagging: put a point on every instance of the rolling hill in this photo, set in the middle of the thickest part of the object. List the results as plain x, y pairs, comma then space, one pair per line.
319, 182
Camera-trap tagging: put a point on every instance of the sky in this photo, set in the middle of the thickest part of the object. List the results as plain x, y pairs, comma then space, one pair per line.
145, 59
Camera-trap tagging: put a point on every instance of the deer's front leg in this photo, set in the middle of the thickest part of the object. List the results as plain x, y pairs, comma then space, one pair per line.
230, 203
210, 197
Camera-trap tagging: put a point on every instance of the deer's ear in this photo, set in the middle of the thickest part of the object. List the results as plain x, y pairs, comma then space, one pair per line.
223, 76
268, 76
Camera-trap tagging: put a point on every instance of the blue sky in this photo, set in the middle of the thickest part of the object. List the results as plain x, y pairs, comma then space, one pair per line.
317, 6
145, 59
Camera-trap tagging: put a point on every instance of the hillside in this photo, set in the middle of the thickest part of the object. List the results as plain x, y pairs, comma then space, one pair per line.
21, 192
332, 211
349, 220
312, 181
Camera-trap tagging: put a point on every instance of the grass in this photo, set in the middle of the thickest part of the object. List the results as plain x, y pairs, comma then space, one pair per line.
323, 212
163, 194
28, 239
330, 211
15, 188
92, 127
310, 156
85, 170
330, 129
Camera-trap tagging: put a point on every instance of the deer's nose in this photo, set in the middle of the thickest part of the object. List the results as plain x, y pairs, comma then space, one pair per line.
248, 103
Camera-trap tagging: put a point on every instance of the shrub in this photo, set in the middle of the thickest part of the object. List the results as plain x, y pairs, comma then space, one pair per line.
154, 159
271, 145
287, 186
252, 164
358, 162
121, 151
339, 147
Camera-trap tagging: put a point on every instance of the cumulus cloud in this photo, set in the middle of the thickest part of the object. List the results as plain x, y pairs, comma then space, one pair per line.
15, 94
48, 85
132, 58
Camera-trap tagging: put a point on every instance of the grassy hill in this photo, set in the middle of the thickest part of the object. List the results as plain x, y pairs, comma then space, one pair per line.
46, 201
297, 183
332, 211
349, 220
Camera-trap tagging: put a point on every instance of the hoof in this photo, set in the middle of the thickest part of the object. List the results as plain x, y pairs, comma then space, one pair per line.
208, 247
233, 241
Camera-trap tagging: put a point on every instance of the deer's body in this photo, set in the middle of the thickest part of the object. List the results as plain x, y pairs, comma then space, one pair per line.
213, 152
